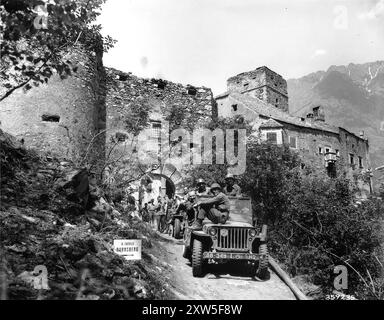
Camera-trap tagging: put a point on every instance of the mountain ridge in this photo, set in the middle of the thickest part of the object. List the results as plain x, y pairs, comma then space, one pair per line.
352, 96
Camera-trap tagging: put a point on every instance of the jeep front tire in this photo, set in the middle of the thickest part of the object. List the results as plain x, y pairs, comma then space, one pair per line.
197, 258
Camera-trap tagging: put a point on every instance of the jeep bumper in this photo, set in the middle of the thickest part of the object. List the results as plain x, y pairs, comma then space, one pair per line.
232, 256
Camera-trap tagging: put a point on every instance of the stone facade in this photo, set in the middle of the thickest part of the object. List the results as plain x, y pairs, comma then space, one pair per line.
183, 106
65, 116
192, 106
62, 116
80, 115
263, 84
331, 150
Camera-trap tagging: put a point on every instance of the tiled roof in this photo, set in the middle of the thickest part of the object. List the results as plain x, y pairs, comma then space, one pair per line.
265, 109
271, 124
226, 93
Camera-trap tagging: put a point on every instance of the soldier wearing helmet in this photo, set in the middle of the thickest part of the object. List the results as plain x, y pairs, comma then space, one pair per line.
192, 195
180, 198
231, 188
188, 206
215, 209
202, 188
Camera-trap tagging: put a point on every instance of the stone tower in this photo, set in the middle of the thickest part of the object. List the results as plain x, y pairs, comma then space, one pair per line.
63, 116
262, 83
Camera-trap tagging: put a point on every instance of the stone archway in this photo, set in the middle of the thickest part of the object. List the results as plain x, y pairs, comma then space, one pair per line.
170, 177
164, 180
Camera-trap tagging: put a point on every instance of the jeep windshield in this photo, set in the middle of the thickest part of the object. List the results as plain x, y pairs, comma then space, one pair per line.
240, 208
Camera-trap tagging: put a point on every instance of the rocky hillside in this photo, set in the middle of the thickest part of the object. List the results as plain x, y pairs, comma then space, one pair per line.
353, 97
54, 219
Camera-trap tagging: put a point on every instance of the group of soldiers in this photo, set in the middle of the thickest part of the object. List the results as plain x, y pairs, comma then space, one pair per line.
156, 214
212, 203
215, 207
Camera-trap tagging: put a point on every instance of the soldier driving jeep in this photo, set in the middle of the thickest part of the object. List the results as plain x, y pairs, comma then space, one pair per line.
231, 187
202, 188
215, 209
227, 237
188, 206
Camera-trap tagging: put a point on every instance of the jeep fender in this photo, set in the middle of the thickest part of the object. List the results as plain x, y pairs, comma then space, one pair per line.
200, 235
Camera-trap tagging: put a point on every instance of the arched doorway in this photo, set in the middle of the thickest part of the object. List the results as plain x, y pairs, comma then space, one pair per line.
170, 178
162, 181
167, 185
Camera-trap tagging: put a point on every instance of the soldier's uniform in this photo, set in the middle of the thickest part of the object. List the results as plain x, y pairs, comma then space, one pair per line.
216, 208
152, 208
187, 206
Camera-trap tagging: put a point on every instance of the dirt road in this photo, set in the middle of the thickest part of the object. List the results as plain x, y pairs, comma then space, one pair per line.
221, 282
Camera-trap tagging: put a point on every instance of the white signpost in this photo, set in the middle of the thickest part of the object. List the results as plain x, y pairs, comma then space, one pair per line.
130, 249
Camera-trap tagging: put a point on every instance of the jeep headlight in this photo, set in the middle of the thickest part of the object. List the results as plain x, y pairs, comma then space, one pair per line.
212, 231
252, 233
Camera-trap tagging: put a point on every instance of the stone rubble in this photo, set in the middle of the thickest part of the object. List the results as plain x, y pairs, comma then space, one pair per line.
51, 216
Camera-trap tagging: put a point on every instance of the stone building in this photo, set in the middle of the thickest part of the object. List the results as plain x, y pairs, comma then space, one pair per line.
84, 117
182, 106
79, 118
261, 83
62, 116
260, 96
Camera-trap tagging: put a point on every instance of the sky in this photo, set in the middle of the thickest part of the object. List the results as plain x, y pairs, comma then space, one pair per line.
204, 42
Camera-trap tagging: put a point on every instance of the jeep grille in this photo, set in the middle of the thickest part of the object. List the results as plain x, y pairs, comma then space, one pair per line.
237, 239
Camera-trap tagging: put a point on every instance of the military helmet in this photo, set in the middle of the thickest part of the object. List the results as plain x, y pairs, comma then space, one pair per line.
200, 181
229, 176
192, 194
215, 186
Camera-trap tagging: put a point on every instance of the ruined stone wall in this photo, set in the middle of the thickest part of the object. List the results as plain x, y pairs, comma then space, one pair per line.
193, 105
62, 116
183, 106
247, 81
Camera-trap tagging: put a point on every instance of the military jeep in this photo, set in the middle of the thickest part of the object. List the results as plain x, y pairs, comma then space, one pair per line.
236, 240
178, 223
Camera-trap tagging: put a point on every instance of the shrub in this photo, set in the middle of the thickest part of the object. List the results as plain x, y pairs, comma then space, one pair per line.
322, 227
